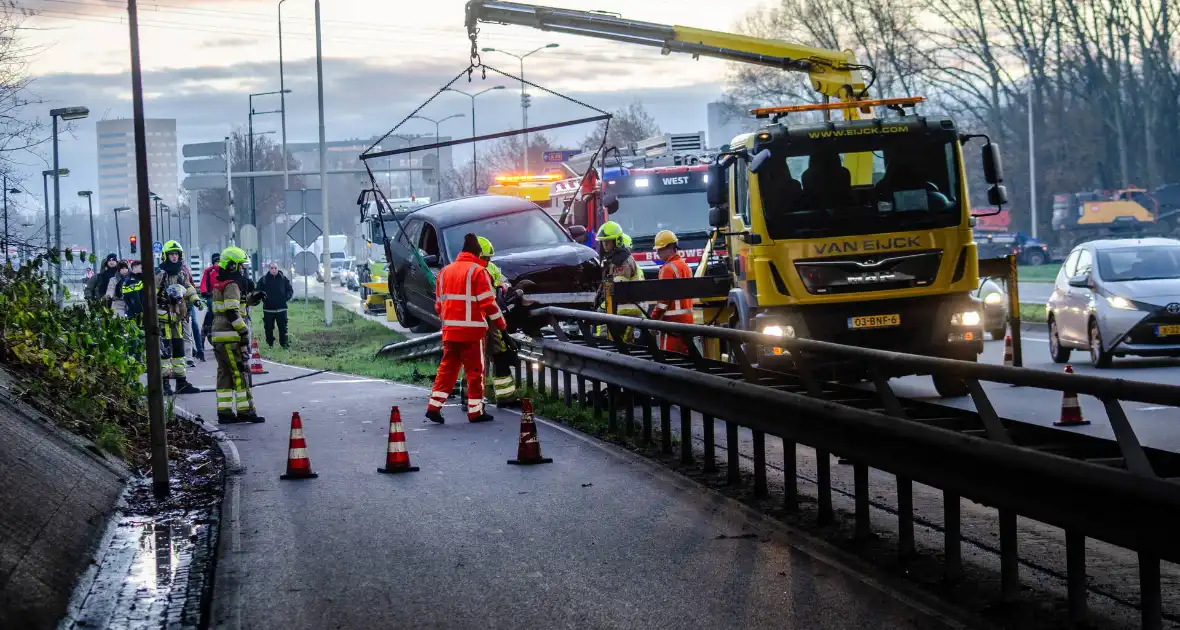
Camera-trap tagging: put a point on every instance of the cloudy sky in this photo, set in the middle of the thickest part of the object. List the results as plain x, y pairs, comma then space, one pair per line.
202, 58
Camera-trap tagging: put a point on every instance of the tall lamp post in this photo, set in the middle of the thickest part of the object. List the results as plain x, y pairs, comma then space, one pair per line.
90, 207
253, 210
14, 191
437, 151
118, 237
524, 97
283, 105
67, 114
157, 233
474, 156
61, 172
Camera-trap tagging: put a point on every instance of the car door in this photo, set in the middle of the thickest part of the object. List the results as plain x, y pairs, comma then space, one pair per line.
421, 285
1059, 299
403, 262
1078, 302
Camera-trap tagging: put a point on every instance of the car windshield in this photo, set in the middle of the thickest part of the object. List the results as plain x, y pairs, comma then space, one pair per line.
807, 188
526, 230
1139, 263
647, 215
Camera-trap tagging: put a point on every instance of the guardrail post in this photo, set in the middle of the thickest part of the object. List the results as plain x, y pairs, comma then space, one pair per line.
707, 428
566, 390
760, 490
1150, 600
629, 413
541, 381
528, 374
685, 435
647, 422
597, 404
581, 392
553, 380
733, 470
823, 479
952, 569
665, 427
1009, 557
612, 409
1075, 571
860, 482
790, 480
905, 518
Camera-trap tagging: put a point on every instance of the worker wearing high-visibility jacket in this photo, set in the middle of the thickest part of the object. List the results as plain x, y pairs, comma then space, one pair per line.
466, 303
503, 383
618, 265
229, 290
176, 293
678, 310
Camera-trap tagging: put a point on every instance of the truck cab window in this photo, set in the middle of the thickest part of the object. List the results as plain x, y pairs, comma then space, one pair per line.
741, 191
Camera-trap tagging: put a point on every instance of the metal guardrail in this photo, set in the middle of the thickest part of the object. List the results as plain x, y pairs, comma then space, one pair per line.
417, 348
1115, 491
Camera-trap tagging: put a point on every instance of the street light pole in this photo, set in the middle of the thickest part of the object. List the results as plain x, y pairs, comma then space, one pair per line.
437, 151
524, 103
474, 156
118, 237
62, 172
90, 206
283, 107
7, 238
250, 140
65, 113
319, 70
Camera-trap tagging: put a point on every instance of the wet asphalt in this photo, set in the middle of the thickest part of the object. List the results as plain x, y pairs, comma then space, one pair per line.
596, 539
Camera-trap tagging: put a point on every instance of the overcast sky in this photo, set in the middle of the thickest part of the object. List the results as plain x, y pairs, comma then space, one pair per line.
381, 59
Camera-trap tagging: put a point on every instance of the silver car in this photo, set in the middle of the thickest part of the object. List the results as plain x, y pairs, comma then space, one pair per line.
1117, 297
995, 306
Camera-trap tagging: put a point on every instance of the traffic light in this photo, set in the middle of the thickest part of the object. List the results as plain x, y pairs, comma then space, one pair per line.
133, 240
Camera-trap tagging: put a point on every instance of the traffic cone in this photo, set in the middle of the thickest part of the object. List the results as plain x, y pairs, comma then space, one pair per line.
529, 450
1008, 351
298, 464
397, 460
1071, 411
255, 358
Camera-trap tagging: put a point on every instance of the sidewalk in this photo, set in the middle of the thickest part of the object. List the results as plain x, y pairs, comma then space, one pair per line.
597, 539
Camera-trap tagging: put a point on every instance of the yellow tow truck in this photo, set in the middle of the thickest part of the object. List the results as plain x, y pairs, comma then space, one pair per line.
855, 231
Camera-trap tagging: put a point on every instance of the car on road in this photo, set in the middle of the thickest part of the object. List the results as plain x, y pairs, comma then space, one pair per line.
1116, 298
530, 245
995, 307
348, 275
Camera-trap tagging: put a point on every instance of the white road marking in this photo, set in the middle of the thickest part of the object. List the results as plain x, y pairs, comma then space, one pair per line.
1160, 408
355, 380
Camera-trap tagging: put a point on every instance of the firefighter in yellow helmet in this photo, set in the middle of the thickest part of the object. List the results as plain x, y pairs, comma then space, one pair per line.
618, 265
175, 294
230, 337
497, 343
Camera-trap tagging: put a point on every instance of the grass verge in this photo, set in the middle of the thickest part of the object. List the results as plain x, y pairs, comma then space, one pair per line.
350, 345
1030, 312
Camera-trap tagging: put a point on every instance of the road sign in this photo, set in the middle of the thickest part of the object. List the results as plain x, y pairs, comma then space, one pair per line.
248, 234
157, 247
206, 165
203, 149
303, 201
306, 264
304, 232
557, 156
204, 182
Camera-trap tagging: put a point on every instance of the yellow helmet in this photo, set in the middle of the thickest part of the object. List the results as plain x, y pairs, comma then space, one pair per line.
234, 255
626, 240
610, 231
172, 246
485, 248
665, 238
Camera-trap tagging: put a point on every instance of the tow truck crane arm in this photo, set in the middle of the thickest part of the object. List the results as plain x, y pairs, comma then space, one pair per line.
833, 74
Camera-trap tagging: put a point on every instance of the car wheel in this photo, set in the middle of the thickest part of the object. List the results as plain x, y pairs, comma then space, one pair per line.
399, 307
1099, 357
1060, 354
949, 386
1035, 258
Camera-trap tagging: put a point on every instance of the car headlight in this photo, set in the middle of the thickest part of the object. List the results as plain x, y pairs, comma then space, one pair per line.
1121, 303
966, 318
773, 331
993, 298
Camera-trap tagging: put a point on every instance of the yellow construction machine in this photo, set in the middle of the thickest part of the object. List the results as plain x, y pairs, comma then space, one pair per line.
855, 230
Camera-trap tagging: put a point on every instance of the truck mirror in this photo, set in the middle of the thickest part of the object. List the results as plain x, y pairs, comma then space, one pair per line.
611, 203
717, 188
993, 168
431, 260
759, 160
997, 195
718, 217
578, 233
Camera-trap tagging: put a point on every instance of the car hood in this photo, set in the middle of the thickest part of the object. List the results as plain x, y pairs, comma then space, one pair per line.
568, 267
1157, 292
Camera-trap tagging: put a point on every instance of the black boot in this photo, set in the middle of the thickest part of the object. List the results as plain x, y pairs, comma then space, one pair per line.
185, 387
483, 417
251, 417
435, 416
167, 387
227, 417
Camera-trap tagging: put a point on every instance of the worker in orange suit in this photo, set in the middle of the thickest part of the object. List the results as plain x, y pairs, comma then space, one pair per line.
679, 310
466, 303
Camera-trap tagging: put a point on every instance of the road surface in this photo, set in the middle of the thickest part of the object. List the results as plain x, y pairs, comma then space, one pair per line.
1035, 292
597, 539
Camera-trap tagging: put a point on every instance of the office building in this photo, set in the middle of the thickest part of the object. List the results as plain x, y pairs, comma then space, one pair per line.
116, 162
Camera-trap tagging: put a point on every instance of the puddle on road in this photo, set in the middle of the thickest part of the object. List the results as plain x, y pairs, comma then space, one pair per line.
154, 566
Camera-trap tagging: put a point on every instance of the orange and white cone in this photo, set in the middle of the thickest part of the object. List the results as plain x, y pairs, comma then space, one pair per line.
397, 459
529, 450
255, 358
1071, 411
298, 464
1008, 351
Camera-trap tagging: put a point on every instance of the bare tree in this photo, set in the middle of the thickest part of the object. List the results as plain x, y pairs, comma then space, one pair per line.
629, 124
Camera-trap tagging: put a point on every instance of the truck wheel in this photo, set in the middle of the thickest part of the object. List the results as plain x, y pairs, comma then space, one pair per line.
950, 386
1035, 258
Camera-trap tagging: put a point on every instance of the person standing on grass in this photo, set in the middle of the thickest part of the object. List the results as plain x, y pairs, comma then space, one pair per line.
278, 291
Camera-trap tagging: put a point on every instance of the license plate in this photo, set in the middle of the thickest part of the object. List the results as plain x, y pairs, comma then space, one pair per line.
1165, 331
874, 321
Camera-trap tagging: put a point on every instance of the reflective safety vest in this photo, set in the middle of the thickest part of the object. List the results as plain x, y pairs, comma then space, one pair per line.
465, 300
679, 310
228, 306
497, 275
